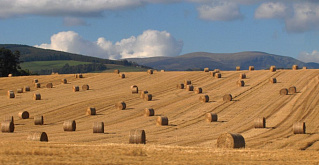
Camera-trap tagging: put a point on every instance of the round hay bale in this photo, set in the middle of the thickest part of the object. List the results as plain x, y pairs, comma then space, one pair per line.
8, 118
204, 98
37, 85
272, 69
38, 136
283, 91
240, 83
90, 111
211, 117
273, 80
134, 89
198, 90
11, 94
26, 88
85, 87
122, 75
229, 140
148, 97
292, 90
35, 81
180, 86
149, 112
69, 125
120, 105
7, 126
218, 75
150, 71
227, 97
23, 115
76, 88
10, 75
212, 73
260, 122
80, 75
49, 85
237, 68
98, 127
187, 82
295, 67
143, 94
242, 76
116, 71
38, 120
206, 69
251, 68
299, 128
217, 70
137, 137
304, 68
64, 81
162, 70
36, 96
162, 120
20, 90
189, 87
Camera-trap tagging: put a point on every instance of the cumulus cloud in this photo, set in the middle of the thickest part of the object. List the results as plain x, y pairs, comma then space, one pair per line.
219, 11
271, 10
309, 57
149, 44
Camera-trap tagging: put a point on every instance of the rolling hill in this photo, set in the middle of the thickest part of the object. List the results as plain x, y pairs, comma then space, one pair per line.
223, 61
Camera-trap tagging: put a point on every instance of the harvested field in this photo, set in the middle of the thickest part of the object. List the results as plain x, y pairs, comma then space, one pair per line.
188, 139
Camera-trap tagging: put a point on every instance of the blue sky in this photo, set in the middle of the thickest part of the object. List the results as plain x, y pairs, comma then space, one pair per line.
147, 28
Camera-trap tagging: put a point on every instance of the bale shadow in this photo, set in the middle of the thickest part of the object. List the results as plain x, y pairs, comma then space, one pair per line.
222, 121
98, 114
128, 108
19, 124
270, 127
111, 133
173, 125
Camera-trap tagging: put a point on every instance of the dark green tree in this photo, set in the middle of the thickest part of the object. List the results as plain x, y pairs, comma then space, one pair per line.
9, 62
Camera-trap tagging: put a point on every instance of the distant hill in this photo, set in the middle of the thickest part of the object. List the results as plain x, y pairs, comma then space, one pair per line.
224, 61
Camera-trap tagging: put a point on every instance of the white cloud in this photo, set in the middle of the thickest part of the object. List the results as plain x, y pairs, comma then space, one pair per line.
271, 10
309, 57
149, 44
219, 11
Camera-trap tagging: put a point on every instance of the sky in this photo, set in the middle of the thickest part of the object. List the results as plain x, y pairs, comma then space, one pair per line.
117, 29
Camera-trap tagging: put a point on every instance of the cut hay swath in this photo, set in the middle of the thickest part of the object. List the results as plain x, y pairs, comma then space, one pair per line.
8, 118
38, 136
273, 80
148, 97
272, 68
143, 94
37, 85
26, 88
251, 68
137, 137
69, 125
227, 97
204, 98
237, 68
75, 88
240, 83
36, 96
20, 90
211, 117
38, 120
134, 89
49, 85
206, 69
230, 140
23, 115
150, 71
299, 128
149, 112
242, 76
198, 90
180, 86
292, 90
295, 67
90, 111
10, 94
64, 81
260, 122
98, 127
116, 71
120, 105
283, 91
189, 87
85, 87
162, 120
7, 126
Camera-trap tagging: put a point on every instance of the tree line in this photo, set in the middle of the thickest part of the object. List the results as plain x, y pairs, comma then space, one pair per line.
67, 69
